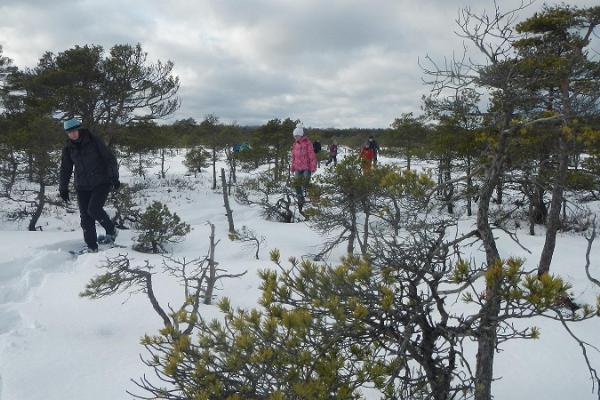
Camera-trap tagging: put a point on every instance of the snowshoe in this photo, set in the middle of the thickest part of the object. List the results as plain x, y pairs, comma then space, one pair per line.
101, 247
108, 238
85, 250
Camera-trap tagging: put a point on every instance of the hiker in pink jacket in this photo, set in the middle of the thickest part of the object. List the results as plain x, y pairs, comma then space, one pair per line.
304, 162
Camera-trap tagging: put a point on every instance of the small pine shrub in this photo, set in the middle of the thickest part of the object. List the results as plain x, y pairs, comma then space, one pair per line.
196, 159
157, 227
125, 203
581, 181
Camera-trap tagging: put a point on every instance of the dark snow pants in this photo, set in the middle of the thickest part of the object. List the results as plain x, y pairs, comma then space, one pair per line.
301, 181
90, 210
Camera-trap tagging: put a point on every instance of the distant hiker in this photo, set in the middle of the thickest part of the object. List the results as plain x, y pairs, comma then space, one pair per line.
375, 147
332, 149
366, 157
317, 148
96, 171
304, 163
236, 148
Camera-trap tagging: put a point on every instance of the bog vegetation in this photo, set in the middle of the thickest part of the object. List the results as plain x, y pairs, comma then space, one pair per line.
323, 329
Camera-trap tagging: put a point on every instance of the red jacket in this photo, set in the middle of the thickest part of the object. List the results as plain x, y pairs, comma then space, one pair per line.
367, 154
303, 156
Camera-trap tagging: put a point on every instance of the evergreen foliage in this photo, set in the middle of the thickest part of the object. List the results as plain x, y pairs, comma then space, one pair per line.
273, 141
5, 70
30, 161
407, 137
157, 227
144, 144
533, 76
345, 197
322, 332
125, 203
196, 159
209, 131
103, 90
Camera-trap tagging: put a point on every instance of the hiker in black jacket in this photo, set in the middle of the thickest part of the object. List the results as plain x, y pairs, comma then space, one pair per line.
373, 145
96, 171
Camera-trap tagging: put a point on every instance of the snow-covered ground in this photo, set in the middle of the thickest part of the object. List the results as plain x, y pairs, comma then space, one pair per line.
55, 345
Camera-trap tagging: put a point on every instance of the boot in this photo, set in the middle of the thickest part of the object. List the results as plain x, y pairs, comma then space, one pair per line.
109, 238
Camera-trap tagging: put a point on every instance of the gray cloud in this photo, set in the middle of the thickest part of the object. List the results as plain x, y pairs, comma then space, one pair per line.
335, 63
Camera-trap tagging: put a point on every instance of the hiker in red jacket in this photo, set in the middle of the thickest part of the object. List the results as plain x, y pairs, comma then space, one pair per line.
366, 158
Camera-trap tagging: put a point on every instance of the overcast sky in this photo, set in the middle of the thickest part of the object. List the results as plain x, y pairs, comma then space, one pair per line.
329, 63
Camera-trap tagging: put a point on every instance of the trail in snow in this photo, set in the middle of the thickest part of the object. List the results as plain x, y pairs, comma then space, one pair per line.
18, 278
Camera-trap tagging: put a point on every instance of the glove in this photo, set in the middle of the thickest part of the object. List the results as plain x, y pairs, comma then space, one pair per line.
64, 194
116, 184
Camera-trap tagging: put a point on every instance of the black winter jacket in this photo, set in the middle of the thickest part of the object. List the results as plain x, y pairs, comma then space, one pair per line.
94, 163
317, 146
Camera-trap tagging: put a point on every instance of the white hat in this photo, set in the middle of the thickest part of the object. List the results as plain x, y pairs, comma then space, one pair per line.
299, 130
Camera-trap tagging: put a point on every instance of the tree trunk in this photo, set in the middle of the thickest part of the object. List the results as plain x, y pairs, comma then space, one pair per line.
448, 188
229, 183
555, 208
163, 173
531, 220
576, 160
352, 237
365, 240
276, 167
228, 210
233, 170
487, 334
440, 177
536, 208
397, 217
539, 213
141, 166
469, 188
486, 345
41, 201
214, 167
212, 271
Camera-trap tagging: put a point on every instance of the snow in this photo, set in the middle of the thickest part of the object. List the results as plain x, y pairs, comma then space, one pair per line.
55, 345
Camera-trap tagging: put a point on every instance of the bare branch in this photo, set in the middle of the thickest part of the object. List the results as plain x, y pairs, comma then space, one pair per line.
590, 240
584, 346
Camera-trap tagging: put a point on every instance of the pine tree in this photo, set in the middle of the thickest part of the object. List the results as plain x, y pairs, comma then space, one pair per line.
343, 197
322, 332
157, 227
556, 41
196, 159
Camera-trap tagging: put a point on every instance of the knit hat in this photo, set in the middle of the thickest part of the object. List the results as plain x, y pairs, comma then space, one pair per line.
299, 130
71, 124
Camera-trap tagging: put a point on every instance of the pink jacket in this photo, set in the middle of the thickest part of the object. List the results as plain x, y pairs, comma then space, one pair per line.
303, 155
